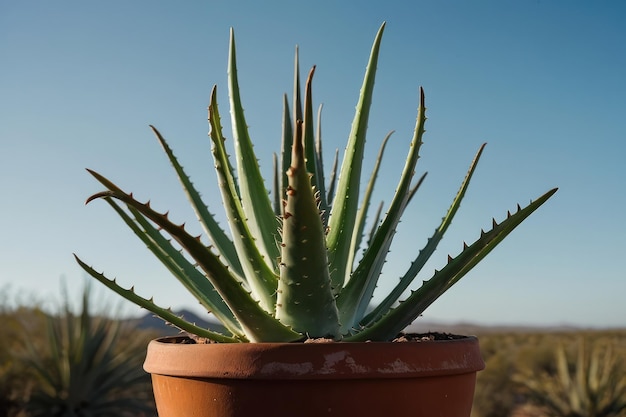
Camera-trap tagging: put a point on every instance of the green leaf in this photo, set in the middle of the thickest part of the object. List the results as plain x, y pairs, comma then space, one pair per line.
425, 254
324, 205
220, 240
332, 181
257, 323
305, 299
357, 234
345, 204
165, 314
398, 318
192, 279
357, 294
261, 279
254, 196
313, 163
285, 157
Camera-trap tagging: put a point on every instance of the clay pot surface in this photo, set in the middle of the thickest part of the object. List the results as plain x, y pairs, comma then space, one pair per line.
425, 378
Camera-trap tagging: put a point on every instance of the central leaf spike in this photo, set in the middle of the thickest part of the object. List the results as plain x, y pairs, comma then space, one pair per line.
305, 300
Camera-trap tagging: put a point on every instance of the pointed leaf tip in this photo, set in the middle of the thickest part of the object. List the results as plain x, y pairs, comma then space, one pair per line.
102, 194
309, 79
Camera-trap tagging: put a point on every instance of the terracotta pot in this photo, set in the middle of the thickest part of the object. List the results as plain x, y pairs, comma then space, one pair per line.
426, 378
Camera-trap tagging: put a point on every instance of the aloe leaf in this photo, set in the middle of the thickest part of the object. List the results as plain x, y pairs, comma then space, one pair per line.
356, 295
345, 205
186, 273
313, 163
379, 210
309, 130
324, 207
305, 298
256, 322
254, 196
416, 187
375, 222
259, 276
332, 181
276, 199
401, 316
357, 234
425, 254
220, 240
285, 157
165, 314
297, 97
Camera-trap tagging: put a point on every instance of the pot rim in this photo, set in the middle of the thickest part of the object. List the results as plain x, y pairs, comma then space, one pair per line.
337, 360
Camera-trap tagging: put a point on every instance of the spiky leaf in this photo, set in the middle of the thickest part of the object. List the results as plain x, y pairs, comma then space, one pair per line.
305, 299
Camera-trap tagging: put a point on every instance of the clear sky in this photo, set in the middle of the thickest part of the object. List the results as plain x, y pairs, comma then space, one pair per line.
543, 82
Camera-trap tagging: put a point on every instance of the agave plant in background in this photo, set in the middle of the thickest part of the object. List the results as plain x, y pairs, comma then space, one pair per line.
594, 384
87, 366
288, 270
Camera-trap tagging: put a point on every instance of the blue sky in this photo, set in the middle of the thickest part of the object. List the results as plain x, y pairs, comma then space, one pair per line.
541, 81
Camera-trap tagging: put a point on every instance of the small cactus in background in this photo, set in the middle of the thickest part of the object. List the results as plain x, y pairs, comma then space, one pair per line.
591, 385
288, 270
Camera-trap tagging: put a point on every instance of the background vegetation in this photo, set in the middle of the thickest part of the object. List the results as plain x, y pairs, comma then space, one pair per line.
75, 363
572, 373
80, 363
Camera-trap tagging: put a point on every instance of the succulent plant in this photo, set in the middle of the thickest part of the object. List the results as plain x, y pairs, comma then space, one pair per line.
86, 365
288, 270
593, 384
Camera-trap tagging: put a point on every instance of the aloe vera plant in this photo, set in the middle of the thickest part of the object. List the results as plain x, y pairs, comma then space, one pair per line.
288, 269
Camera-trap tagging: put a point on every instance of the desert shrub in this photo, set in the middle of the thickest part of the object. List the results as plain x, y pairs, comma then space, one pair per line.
495, 394
588, 378
16, 382
514, 360
87, 365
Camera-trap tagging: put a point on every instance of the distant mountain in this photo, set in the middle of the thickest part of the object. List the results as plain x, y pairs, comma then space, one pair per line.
151, 322
479, 329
